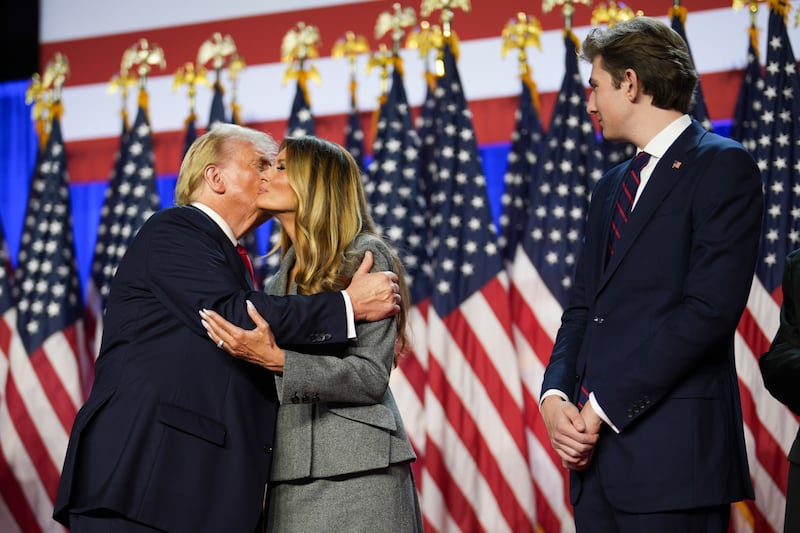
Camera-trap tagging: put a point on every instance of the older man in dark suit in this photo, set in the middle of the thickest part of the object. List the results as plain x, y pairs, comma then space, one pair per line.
640, 397
780, 368
177, 435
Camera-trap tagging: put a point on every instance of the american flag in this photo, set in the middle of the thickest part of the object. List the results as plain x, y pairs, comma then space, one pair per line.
95, 303
543, 268
745, 125
424, 126
399, 212
477, 476
130, 199
698, 109
769, 426
217, 113
523, 166
48, 363
354, 137
15, 510
190, 131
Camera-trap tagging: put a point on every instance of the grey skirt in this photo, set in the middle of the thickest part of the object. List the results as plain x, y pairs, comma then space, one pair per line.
382, 500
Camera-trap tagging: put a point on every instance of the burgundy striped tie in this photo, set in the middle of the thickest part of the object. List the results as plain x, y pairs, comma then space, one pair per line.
624, 203
246, 258
622, 209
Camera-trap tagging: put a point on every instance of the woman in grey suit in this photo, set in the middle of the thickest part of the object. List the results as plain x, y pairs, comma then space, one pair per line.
342, 457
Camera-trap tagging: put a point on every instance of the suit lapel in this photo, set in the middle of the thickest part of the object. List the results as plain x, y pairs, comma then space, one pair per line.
279, 284
232, 256
670, 169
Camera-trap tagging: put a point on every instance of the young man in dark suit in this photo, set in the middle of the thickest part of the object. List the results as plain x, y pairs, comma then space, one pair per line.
640, 396
176, 434
780, 368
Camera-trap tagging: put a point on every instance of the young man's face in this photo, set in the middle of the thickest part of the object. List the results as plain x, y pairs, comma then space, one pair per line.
608, 103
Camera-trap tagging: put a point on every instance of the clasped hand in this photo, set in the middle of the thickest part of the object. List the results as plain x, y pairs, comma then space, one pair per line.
573, 433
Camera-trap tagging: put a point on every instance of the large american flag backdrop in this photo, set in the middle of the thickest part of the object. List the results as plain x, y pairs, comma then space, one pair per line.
490, 272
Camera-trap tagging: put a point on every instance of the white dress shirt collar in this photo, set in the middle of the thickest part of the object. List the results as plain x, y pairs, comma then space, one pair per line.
218, 219
659, 144
657, 147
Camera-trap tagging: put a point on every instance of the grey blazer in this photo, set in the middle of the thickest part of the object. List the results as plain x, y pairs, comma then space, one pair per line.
337, 415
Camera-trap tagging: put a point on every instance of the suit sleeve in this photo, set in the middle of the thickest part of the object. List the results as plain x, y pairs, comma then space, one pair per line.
780, 366
358, 376
189, 270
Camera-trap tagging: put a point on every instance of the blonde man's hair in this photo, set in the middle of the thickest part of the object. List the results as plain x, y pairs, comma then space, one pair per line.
213, 148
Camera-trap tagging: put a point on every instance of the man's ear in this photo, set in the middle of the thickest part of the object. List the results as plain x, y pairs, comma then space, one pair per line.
212, 175
630, 84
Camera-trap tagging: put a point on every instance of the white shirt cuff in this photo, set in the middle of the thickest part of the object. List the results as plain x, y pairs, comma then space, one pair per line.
351, 320
552, 392
600, 412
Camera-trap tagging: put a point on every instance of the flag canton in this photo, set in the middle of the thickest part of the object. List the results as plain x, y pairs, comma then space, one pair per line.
572, 163
301, 120
749, 105
130, 199
523, 165
395, 192
47, 289
463, 236
217, 113
778, 155
354, 138
428, 140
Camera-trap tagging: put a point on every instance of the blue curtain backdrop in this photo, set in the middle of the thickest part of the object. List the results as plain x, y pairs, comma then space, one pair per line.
18, 146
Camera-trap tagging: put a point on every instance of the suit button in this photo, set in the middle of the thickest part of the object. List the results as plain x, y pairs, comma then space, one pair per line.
267, 449
306, 399
598, 320
315, 398
295, 398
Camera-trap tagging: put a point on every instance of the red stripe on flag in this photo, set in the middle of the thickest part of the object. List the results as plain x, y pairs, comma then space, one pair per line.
496, 296
415, 374
476, 355
54, 388
768, 451
456, 503
475, 442
31, 438
752, 334
5, 337
14, 497
530, 327
760, 524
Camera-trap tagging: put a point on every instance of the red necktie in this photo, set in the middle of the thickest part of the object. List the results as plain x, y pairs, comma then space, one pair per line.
624, 203
246, 258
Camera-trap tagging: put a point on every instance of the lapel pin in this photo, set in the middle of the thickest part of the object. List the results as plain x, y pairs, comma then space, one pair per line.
676, 164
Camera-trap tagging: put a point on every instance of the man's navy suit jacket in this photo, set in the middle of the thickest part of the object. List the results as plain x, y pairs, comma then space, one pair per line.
653, 330
176, 433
